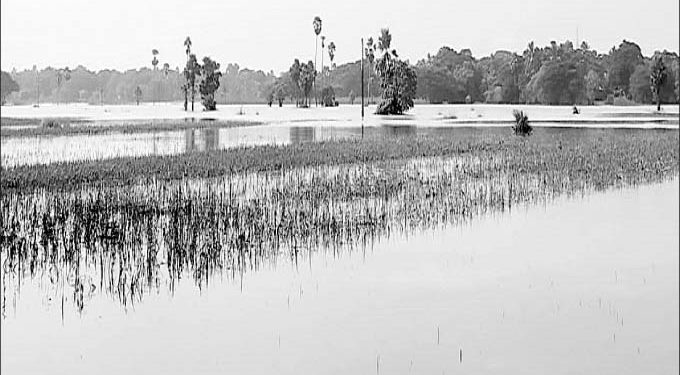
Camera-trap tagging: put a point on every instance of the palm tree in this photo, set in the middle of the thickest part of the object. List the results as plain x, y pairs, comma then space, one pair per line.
370, 55
317, 30
323, 45
185, 87
331, 52
63, 75
154, 62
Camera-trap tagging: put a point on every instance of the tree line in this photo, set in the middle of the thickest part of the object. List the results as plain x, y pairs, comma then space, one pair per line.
553, 74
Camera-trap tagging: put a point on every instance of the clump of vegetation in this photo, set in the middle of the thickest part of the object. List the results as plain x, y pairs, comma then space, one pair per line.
133, 239
657, 78
50, 123
210, 83
397, 79
521, 126
328, 97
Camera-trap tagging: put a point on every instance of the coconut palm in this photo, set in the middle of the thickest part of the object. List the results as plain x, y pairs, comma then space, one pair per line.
154, 62
185, 86
369, 51
317, 30
63, 75
323, 45
331, 52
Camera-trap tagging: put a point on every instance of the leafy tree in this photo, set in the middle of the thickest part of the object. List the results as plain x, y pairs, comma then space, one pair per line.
192, 71
63, 75
352, 97
331, 52
657, 77
280, 93
307, 78
294, 73
138, 94
397, 79
328, 96
210, 83
7, 86
622, 63
595, 85
639, 84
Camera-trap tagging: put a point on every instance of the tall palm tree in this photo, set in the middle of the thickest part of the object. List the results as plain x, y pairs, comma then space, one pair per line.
154, 62
331, 52
317, 30
185, 87
323, 45
370, 55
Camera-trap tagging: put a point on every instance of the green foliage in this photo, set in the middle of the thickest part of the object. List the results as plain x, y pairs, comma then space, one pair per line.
657, 77
639, 84
398, 79
622, 63
192, 72
138, 94
557, 83
307, 78
328, 97
521, 126
210, 70
7, 86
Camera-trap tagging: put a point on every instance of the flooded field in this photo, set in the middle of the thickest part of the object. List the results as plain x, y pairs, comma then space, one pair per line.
317, 246
510, 292
279, 126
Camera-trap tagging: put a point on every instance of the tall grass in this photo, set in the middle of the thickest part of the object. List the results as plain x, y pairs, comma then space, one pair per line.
130, 240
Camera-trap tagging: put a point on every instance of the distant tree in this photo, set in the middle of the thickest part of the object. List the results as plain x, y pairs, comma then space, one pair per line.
317, 30
210, 70
397, 79
280, 93
185, 86
352, 96
192, 71
594, 86
657, 78
63, 75
154, 62
7, 86
331, 52
294, 73
639, 85
307, 78
138, 94
622, 64
369, 52
323, 45
328, 97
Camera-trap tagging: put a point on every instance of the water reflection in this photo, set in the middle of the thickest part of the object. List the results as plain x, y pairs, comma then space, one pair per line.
200, 140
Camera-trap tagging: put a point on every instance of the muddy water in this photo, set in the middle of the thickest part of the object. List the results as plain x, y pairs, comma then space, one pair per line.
582, 285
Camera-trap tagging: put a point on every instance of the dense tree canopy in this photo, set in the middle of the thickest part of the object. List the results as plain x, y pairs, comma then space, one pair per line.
7, 86
556, 73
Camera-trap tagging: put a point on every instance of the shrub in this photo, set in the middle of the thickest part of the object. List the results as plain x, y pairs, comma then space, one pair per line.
328, 97
521, 126
50, 123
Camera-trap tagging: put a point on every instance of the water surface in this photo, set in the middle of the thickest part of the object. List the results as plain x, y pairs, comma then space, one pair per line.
581, 285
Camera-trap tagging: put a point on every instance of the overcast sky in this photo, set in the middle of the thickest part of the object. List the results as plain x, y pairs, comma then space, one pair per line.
268, 35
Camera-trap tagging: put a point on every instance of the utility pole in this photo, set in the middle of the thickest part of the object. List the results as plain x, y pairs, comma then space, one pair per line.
362, 84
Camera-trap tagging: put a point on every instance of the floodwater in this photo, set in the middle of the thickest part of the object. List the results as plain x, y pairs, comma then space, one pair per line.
580, 285
286, 125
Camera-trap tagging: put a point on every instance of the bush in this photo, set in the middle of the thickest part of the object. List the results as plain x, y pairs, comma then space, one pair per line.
51, 124
521, 126
328, 97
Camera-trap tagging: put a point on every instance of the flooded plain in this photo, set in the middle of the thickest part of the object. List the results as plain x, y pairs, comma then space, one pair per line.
582, 284
286, 125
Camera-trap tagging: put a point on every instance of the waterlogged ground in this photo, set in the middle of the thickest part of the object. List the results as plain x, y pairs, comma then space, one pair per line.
274, 125
586, 284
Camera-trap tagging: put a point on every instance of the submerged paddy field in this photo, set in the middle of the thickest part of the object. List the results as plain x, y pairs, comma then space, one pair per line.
126, 226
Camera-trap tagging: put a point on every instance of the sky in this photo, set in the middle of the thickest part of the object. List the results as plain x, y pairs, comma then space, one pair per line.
268, 35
